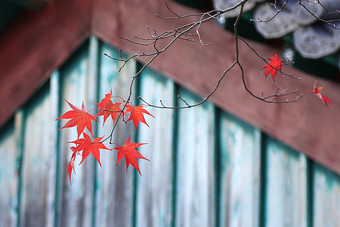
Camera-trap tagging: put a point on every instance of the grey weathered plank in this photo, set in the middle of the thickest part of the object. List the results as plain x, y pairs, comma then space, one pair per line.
154, 190
239, 173
113, 184
326, 197
77, 199
9, 168
286, 186
39, 161
195, 186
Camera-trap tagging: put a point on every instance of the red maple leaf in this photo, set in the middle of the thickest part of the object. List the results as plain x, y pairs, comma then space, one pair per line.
78, 117
112, 109
323, 98
70, 166
136, 114
130, 153
274, 64
103, 103
88, 146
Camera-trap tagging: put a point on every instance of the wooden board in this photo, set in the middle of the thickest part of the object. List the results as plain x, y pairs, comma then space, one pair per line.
77, 199
39, 161
195, 184
285, 186
239, 168
326, 197
9, 170
154, 188
113, 183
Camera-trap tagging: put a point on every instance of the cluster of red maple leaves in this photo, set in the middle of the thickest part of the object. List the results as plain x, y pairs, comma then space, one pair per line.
275, 64
85, 145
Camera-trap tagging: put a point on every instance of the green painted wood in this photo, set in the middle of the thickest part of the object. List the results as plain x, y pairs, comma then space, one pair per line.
285, 187
113, 184
39, 162
9, 174
326, 197
177, 187
76, 201
154, 190
195, 186
55, 102
240, 146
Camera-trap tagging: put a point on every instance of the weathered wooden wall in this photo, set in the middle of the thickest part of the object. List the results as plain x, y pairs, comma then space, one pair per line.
207, 167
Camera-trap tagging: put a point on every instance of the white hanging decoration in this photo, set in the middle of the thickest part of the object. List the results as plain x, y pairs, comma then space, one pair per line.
316, 41
226, 4
309, 11
271, 25
304, 14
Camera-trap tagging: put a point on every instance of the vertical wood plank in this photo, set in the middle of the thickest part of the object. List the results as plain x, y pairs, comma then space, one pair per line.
155, 184
195, 165
39, 163
9, 174
326, 197
286, 186
113, 184
240, 172
76, 205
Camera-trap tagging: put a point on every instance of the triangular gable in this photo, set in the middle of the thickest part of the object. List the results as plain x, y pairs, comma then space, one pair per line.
36, 43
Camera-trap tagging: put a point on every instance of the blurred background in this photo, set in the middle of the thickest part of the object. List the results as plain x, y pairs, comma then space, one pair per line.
232, 161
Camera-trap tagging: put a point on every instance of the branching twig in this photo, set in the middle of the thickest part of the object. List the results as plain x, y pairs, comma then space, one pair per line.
278, 10
191, 30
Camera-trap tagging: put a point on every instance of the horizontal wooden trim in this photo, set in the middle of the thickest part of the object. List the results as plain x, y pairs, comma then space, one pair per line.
44, 40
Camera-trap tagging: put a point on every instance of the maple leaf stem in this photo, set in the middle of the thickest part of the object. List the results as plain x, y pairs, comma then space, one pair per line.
268, 99
258, 55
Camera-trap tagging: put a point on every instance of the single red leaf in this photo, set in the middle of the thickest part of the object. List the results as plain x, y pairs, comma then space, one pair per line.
78, 117
112, 109
274, 64
130, 153
88, 146
324, 99
70, 166
103, 103
136, 114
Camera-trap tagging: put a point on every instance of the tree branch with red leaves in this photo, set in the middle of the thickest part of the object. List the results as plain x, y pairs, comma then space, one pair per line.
157, 43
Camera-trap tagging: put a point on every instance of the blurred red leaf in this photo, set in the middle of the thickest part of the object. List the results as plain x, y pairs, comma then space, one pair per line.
130, 153
274, 64
70, 166
103, 103
78, 117
136, 114
112, 109
88, 146
324, 99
